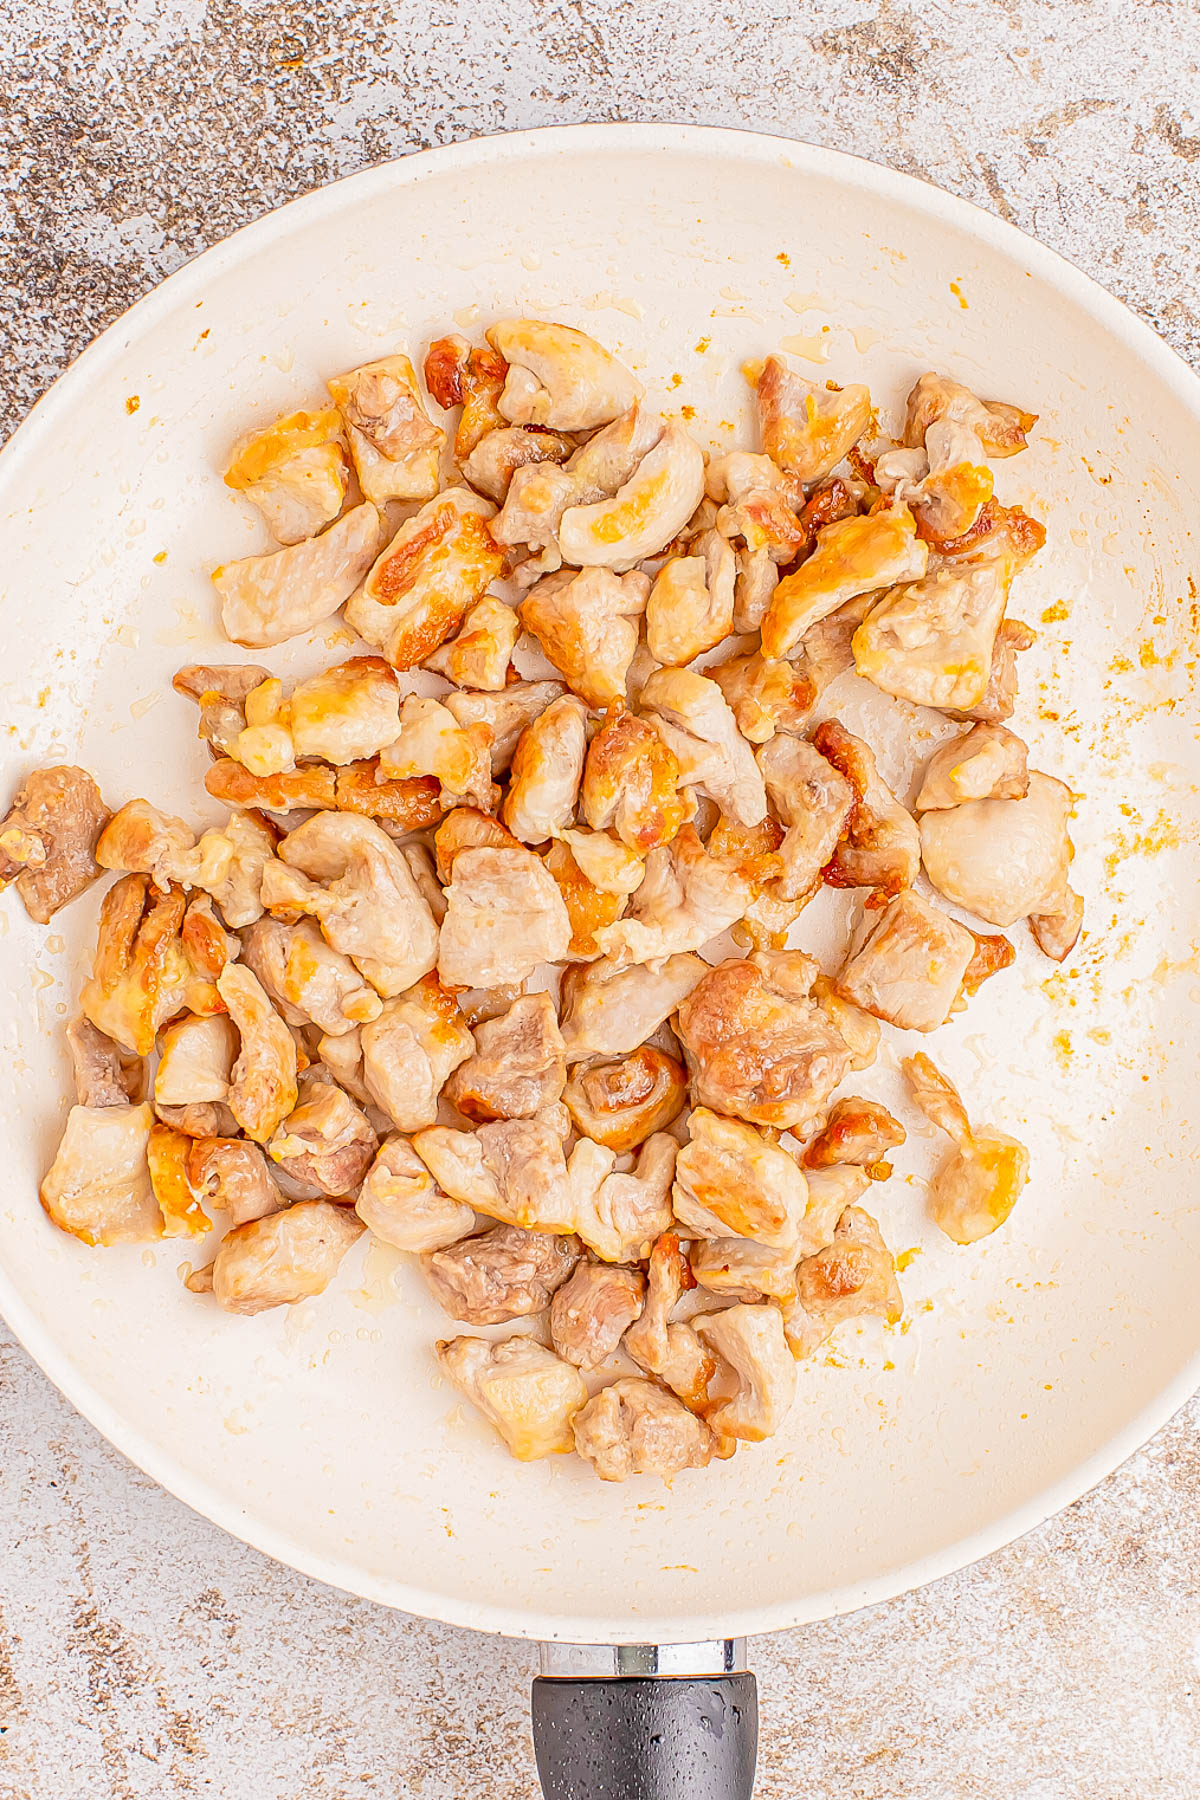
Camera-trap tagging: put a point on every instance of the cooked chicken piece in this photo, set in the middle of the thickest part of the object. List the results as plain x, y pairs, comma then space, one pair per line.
586, 624
860, 1031
466, 828
752, 851
105, 1075
310, 788
423, 870
294, 472
139, 838
352, 879
646, 511
690, 608
765, 696
991, 954
856, 1131
1004, 535
538, 496
853, 1277
398, 806
342, 1056
513, 1170
267, 599
881, 846
588, 1316
547, 768
506, 714
403, 1205
1056, 934
265, 746
634, 1428
589, 908
496, 458
196, 1061
730, 1181
325, 1142
757, 579
668, 1277
263, 1090
232, 1176
440, 562
199, 1119
430, 741
1004, 859
759, 1046
980, 1181
48, 840
737, 1268
395, 444
220, 692
931, 641
559, 377
986, 763
504, 917
691, 714
346, 713
1000, 428
142, 973
830, 1192
480, 655
519, 1066
631, 782
610, 866
756, 505
824, 652
167, 1158
619, 1216
853, 556
1000, 696
459, 374
814, 801
755, 1364
947, 484
228, 864
502, 1274
98, 1186
308, 980
619, 1104
610, 1010
909, 968
807, 428
687, 898
528, 1394
411, 1049
287, 1256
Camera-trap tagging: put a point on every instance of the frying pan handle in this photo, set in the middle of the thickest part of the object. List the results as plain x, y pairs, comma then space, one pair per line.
638, 1723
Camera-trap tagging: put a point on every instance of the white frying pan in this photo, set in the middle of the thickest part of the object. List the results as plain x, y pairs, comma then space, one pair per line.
1027, 1366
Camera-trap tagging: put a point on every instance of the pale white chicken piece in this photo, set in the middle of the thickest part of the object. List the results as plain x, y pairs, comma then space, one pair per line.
931, 641
852, 556
813, 801
479, 656
346, 713
402, 1204
504, 917
590, 1313
502, 1274
506, 714
513, 1170
663, 1347
756, 507
610, 1010
756, 1364
538, 495
309, 981
830, 1192
980, 1181
267, 599
518, 1067
619, 1216
341, 1055
586, 623
395, 444
263, 1087
859, 1030
687, 898
698, 726
646, 511
560, 377
909, 969
986, 763
609, 865
1002, 429
737, 1268
690, 606
294, 471
766, 696
731, 1181
196, 1061
287, 1256
547, 768
349, 875
416, 595
410, 1051
104, 1074
881, 846
634, 1428
232, 1175
853, 1276
1000, 696
424, 872
430, 741
631, 783
500, 453
1004, 859
619, 1104
759, 1045
528, 1394
98, 1186
806, 427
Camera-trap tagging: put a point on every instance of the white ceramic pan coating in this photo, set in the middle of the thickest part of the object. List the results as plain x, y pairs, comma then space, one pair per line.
1027, 1366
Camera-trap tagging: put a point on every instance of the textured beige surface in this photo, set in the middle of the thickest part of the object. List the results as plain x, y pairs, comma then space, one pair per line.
143, 1653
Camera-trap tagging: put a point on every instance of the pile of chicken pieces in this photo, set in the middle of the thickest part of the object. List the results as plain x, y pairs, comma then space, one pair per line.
439, 975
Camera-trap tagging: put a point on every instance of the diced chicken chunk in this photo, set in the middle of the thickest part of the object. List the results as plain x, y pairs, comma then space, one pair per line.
589, 908
986, 763
547, 768
232, 1176
1000, 696
853, 1277
519, 1066
326, 1142
220, 692
739, 1269
634, 1428
506, 714
513, 1170
881, 846
1004, 859
263, 1088
765, 695
757, 508
620, 1104
931, 641
731, 1181
267, 599
693, 717
440, 562
411, 1050
631, 783
432, 742
559, 377
586, 623
610, 1010
98, 1186
644, 513
852, 556
910, 967
105, 1075
403, 1205
347, 712
294, 471
686, 899
813, 800
459, 374
394, 442
528, 1394
690, 608
1002, 429
755, 1364
500, 453
480, 655
808, 428
287, 1256
504, 917
619, 1216
980, 1180
310, 982
142, 972
589, 1315
856, 1131
502, 1274
196, 1061
48, 840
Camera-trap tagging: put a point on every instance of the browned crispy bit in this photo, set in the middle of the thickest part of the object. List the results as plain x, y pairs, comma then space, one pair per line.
48, 841
310, 787
749, 850
880, 848
831, 500
408, 805
991, 955
857, 1131
141, 974
588, 907
470, 376
467, 828
1006, 529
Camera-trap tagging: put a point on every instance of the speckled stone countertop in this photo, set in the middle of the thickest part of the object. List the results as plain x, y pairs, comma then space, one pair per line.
142, 1652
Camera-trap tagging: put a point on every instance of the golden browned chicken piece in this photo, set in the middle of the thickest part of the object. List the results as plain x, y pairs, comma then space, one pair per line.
635, 1428
852, 556
664, 1347
294, 471
586, 622
326, 1142
759, 1045
528, 1394
814, 801
473, 377
48, 840
756, 1376
856, 1131
694, 719
263, 1089
980, 1180
504, 918
609, 1009
881, 846
309, 981
411, 1050
480, 655
226, 863
631, 783
430, 741
988, 762
559, 377
641, 517
690, 607
267, 599
167, 1158
467, 828
142, 973
498, 455
346, 713
312, 786
756, 508
98, 1186
731, 1181
220, 691
621, 1103
232, 1175
854, 1276
808, 428
547, 768
284, 1257
502, 1274
1001, 429
402, 1204
440, 562
686, 899
513, 1170
394, 443
590, 1313
932, 641
519, 1065
910, 967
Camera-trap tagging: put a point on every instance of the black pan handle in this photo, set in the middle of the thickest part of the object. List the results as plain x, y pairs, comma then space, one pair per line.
656, 1736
